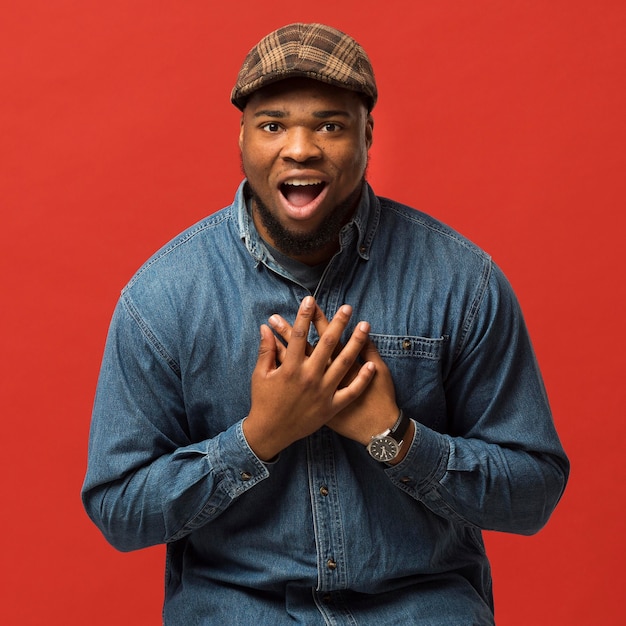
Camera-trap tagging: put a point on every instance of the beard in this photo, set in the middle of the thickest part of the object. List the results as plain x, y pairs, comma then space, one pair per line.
295, 244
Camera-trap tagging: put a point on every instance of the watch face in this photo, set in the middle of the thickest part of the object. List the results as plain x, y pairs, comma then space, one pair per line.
383, 448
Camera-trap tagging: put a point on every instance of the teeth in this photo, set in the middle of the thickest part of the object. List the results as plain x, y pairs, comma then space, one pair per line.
299, 182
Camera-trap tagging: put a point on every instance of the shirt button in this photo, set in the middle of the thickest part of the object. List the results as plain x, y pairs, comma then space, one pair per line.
331, 564
406, 344
324, 490
245, 476
406, 480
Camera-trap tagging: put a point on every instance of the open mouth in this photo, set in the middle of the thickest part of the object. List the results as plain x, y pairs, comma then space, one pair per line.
299, 193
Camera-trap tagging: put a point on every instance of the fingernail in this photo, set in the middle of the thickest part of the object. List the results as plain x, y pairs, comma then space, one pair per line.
364, 327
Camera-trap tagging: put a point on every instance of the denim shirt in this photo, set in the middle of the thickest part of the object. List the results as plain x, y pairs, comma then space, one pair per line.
324, 534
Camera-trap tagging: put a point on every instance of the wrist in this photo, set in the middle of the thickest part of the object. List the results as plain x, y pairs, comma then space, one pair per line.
264, 444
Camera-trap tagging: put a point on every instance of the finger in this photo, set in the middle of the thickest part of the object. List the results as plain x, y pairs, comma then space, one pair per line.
320, 321
266, 361
283, 329
297, 342
345, 359
281, 350
370, 352
346, 395
330, 338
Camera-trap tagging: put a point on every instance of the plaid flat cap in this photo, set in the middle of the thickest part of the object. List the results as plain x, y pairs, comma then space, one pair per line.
312, 51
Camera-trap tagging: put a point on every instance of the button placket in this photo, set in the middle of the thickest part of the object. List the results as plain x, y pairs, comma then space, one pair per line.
326, 510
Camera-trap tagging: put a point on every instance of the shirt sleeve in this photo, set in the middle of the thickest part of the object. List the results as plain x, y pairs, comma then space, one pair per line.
146, 481
499, 465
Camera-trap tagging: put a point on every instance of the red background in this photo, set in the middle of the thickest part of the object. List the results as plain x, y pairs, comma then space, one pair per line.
504, 119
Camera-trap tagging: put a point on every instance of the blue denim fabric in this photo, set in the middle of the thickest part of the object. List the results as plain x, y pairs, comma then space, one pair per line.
325, 534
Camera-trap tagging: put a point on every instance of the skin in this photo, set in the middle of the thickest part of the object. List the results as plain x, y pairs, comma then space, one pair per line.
305, 130
308, 132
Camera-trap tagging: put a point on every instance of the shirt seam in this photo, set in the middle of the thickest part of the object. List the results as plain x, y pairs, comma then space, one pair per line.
210, 222
148, 333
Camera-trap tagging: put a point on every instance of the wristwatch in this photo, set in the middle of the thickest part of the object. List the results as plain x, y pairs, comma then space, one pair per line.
385, 447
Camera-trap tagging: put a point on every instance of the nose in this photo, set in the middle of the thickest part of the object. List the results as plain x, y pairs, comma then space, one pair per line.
300, 145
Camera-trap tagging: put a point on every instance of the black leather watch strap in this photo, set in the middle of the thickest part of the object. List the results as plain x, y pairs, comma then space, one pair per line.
398, 430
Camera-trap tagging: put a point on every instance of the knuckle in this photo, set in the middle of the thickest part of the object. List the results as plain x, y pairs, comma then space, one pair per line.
344, 361
308, 380
330, 341
360, 339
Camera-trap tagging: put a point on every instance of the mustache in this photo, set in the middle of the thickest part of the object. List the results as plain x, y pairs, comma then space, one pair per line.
242, 168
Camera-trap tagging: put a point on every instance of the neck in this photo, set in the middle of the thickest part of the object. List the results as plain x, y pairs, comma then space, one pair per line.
310, 248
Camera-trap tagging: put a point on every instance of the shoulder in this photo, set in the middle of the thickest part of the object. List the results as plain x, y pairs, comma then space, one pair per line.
426, 234
189, 249
169, 289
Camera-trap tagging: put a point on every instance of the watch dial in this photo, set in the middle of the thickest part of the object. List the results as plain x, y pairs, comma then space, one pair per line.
384, 449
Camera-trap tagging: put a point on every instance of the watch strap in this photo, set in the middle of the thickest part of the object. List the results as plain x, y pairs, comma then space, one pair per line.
398, 430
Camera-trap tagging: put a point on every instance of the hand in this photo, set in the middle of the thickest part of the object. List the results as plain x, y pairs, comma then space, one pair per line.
303, 392
370, 412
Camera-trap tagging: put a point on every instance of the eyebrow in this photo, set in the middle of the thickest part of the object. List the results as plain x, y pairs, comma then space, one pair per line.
322, 115
331, 113
270, 113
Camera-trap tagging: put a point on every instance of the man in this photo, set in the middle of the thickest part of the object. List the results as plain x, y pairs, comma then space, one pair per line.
342, 473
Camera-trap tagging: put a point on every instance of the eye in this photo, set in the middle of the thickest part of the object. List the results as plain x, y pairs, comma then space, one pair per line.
330, 127
271, 127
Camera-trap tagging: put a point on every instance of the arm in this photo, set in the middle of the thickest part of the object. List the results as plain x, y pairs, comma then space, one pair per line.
500, 464
147, 482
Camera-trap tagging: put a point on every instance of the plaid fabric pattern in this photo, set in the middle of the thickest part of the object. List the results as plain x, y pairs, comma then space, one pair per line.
312, 51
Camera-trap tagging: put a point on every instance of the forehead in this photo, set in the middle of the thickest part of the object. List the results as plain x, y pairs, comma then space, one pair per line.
300, 92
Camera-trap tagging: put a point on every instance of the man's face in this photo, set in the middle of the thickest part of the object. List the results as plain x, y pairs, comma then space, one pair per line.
304, 150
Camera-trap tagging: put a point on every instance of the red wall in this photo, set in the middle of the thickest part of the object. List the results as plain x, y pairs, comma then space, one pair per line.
504, 119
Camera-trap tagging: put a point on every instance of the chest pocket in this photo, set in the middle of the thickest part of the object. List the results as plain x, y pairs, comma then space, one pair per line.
415, 365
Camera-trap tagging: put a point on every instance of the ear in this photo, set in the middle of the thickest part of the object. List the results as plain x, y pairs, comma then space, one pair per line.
241, 131
369, 131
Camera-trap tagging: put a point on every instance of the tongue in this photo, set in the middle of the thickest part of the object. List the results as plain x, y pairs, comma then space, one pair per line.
301, 195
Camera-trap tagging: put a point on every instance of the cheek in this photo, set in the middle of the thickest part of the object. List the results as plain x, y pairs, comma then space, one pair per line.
353, 163
252, 163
